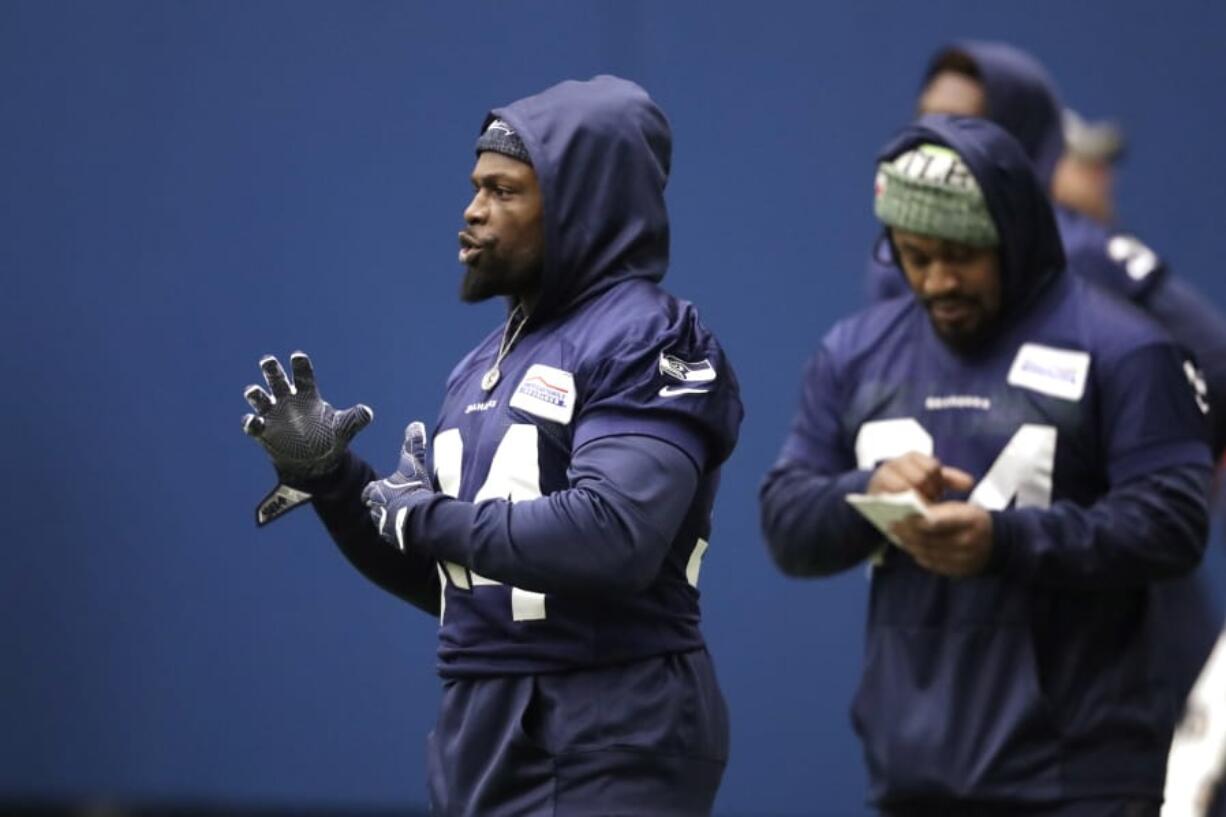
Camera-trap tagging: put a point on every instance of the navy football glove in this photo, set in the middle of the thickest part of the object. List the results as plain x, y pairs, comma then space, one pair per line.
305, 437
389, 499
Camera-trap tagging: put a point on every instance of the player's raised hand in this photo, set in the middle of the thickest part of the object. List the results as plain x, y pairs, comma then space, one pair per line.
921, 473
303, 434
954, 539
389, 499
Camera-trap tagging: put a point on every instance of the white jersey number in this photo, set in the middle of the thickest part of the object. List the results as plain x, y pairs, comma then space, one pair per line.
1023, 471
514, 474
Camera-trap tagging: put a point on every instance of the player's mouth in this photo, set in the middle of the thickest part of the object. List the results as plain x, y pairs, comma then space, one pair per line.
951, 310
471, 247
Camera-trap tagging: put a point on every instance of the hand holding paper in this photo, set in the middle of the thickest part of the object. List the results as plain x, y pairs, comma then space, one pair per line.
884, 510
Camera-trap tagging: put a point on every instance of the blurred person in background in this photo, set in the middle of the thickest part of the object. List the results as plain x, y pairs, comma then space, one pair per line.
1196, 769
1084, 179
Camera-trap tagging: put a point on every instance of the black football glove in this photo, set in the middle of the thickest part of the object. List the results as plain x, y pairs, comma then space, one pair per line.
305, 437
389, 499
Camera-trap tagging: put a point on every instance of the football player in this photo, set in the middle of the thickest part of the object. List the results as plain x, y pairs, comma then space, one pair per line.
1049, 443
557, 514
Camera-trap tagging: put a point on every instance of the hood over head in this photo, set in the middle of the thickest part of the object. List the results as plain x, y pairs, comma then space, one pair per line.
1031, 253
1021, 98
601, 150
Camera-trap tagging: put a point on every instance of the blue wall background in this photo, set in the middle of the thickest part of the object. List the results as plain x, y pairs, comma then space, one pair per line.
190, 185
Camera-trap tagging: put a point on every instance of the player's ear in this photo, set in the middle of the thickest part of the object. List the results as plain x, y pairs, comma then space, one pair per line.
887, 248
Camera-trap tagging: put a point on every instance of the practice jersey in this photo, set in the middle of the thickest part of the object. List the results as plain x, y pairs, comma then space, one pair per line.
630, 361
1031, 677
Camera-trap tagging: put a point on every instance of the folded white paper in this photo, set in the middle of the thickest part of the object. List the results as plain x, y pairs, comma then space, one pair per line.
883, 510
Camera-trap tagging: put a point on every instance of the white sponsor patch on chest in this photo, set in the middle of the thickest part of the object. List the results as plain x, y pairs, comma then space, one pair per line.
1057, 372
546, 392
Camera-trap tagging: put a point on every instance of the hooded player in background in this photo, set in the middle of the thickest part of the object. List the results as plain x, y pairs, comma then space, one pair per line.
558, 519
1010, 665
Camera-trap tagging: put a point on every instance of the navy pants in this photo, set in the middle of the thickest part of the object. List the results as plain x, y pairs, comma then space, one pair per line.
1126, 807
649, 737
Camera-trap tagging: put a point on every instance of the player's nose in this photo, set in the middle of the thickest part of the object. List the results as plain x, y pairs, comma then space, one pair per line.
940, 279
476, 211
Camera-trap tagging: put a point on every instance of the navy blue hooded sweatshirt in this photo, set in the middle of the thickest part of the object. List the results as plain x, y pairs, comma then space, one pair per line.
1037, 680
574, 496
1022, 99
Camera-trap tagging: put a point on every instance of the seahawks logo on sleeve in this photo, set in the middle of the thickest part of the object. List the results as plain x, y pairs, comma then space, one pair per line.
695, 378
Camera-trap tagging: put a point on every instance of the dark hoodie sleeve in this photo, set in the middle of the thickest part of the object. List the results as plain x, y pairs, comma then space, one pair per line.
608, 533
410, 575
1200, 328
674, 383
1124, 265
1119, 263
1153, 521
809, 527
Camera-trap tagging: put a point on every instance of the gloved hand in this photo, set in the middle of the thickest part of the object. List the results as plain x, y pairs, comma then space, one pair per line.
303, 434
391, 498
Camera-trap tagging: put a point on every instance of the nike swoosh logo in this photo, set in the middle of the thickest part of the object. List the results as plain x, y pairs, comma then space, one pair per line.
669, 391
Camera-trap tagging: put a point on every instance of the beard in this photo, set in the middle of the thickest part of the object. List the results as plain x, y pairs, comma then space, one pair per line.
481, 285
964, 334
490, 276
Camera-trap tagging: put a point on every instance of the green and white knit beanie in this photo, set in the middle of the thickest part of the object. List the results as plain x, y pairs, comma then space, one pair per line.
929, 190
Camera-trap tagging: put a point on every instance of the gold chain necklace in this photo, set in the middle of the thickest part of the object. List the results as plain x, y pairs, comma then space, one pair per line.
490, 380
